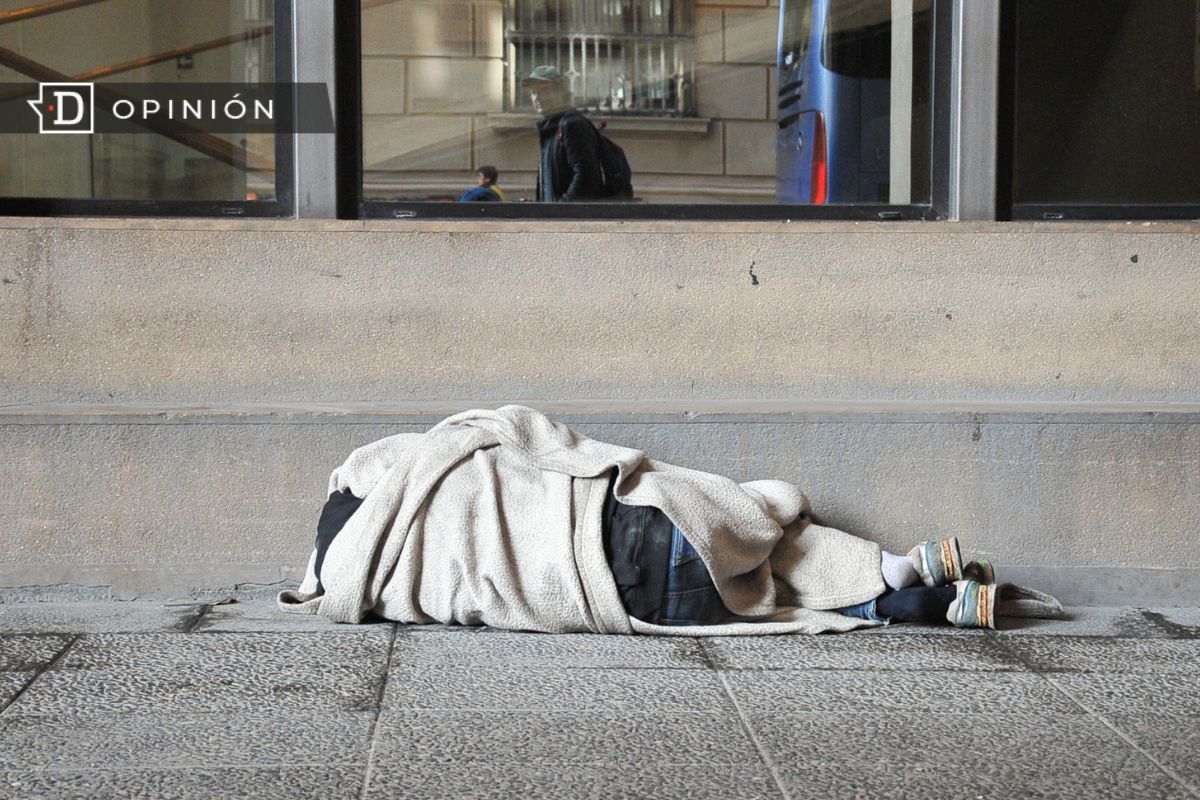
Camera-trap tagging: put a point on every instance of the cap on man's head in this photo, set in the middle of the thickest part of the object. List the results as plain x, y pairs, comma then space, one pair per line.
542, 75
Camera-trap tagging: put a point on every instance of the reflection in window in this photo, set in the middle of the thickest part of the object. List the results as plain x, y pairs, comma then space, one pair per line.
858, 39
854, 102
706, 104
619, 56
136, 41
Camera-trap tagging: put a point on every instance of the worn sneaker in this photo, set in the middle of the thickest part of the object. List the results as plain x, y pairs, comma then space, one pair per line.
974, 605
938, 563
980, 571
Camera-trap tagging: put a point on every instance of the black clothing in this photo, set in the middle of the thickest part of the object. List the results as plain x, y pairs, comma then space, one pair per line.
637, 542
337, 511
569, 168
923, 604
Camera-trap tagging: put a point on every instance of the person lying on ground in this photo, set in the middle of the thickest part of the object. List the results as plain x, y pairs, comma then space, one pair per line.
506, 518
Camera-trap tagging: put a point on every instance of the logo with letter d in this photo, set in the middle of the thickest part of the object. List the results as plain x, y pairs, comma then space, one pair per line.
65, 107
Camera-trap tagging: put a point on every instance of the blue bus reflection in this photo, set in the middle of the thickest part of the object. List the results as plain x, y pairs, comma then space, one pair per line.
834, 77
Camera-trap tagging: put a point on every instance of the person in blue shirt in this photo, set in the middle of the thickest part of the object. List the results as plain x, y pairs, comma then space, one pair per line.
486, 189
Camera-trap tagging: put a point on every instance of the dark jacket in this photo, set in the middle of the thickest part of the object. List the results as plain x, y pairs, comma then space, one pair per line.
569, 168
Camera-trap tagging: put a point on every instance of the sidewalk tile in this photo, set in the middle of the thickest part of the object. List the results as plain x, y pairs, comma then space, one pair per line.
261, 614
902, 629
29, 652
96, 617
170, 673
915, 652
11, 684
631, 781
1085, 621
879, 780
275, 737
1073, 741
273, 783
951, 693
161, 652
514, 688
547, 738
1167, 695
485, 646
1092, 654
1172, 741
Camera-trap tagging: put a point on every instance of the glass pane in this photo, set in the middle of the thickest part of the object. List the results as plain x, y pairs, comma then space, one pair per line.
795, 102
1107, 102
858, 40
136, 42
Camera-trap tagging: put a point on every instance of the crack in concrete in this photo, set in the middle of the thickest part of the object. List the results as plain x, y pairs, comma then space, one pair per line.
747, 728
1048, 677
51, 664
387, 669
1130, 743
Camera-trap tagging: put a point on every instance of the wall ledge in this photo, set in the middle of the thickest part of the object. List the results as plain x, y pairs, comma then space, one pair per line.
774, 412
679, 227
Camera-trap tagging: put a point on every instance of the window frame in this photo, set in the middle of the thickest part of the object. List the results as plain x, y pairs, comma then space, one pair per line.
352, 203
283, 205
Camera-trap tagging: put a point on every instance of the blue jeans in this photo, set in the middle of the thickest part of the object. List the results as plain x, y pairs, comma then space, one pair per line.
926, 604
690, 596
865, 610
663, 580
659, 575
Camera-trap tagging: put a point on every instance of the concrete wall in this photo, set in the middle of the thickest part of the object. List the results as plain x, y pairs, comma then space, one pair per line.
174, 393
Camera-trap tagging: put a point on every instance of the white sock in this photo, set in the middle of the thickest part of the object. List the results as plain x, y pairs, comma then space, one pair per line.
898, 571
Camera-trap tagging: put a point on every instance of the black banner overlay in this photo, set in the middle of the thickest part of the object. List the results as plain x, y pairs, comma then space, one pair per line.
171, 109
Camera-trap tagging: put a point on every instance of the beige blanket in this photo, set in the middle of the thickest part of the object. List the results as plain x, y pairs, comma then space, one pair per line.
494, 518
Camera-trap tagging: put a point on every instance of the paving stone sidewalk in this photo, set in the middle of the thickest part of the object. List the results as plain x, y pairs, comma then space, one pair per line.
146, 700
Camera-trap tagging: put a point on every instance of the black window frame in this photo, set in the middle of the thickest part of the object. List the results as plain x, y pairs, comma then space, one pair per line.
1007, 208
284, 204
352, 204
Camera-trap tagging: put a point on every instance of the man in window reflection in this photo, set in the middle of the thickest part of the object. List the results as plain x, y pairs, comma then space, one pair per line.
569, 167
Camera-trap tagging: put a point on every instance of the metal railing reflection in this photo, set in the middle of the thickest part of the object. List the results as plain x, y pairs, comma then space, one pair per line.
620, 56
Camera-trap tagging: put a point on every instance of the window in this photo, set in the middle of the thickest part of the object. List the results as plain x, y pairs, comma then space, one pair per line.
1104, 110
772, 110
858, 40
619, 56
122, 46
